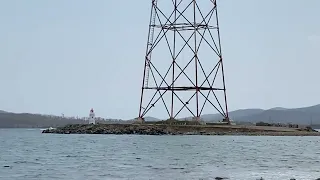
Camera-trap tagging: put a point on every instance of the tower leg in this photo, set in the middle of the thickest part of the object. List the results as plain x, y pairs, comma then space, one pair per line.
139, 120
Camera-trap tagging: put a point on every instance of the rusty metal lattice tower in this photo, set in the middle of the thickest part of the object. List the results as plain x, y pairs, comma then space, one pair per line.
183, 70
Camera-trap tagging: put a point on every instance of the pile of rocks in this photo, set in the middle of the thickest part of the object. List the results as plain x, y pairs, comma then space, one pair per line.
110, 129
165, 129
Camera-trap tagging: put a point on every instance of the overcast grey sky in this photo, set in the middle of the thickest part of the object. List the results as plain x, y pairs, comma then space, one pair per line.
62, 56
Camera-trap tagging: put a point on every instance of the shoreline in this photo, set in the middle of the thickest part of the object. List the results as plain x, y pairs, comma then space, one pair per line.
166, 129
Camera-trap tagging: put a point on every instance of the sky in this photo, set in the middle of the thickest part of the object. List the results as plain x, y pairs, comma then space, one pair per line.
69, 56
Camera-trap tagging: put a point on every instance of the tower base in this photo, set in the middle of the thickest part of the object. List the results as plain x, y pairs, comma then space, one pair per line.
199, 121
139, 120
92, 121
227, 121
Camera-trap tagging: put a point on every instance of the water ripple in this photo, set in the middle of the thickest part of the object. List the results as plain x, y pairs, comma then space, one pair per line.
30, 155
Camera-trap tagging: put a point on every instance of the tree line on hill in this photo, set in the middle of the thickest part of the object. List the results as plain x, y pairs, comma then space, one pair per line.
301, 116
26, 120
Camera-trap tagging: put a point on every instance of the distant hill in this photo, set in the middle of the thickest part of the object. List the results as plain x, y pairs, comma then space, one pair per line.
304, 116
25, 120
233, 115
278, 108
148, 118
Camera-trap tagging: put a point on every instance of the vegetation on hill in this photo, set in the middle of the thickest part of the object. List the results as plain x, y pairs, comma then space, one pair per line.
25, 120
300, 116
304, 116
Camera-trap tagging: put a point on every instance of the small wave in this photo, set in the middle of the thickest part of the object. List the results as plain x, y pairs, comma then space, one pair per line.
284, 160
77, 156
72, 156
177, 168
186, 172
157, 168
25, 162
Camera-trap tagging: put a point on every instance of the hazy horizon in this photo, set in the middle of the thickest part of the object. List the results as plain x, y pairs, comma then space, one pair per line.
70, 56
160, 118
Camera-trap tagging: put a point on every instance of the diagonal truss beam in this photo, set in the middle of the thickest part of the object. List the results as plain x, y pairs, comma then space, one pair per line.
200, 26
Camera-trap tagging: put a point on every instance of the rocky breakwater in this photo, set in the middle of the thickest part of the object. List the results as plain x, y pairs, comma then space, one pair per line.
164, 129
109, 129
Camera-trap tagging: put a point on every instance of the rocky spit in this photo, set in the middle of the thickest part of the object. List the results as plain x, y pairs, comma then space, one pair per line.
147, 129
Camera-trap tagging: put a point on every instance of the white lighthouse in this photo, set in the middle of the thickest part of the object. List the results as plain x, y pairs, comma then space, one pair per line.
92, 117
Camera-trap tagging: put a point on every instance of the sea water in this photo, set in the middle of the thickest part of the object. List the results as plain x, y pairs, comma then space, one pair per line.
27, 154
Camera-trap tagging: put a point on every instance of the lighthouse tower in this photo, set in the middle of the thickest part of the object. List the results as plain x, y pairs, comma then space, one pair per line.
92, 117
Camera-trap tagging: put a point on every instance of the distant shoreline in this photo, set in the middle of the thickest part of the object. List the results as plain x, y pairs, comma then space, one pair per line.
164, 129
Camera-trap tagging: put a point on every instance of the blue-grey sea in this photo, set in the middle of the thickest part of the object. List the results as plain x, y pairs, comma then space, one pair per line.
27, 154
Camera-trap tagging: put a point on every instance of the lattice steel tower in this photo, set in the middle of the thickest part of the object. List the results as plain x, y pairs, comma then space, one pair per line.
183, 71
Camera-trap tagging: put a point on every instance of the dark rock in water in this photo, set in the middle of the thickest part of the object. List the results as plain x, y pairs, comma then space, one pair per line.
6, 166
292, 179
220, 178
